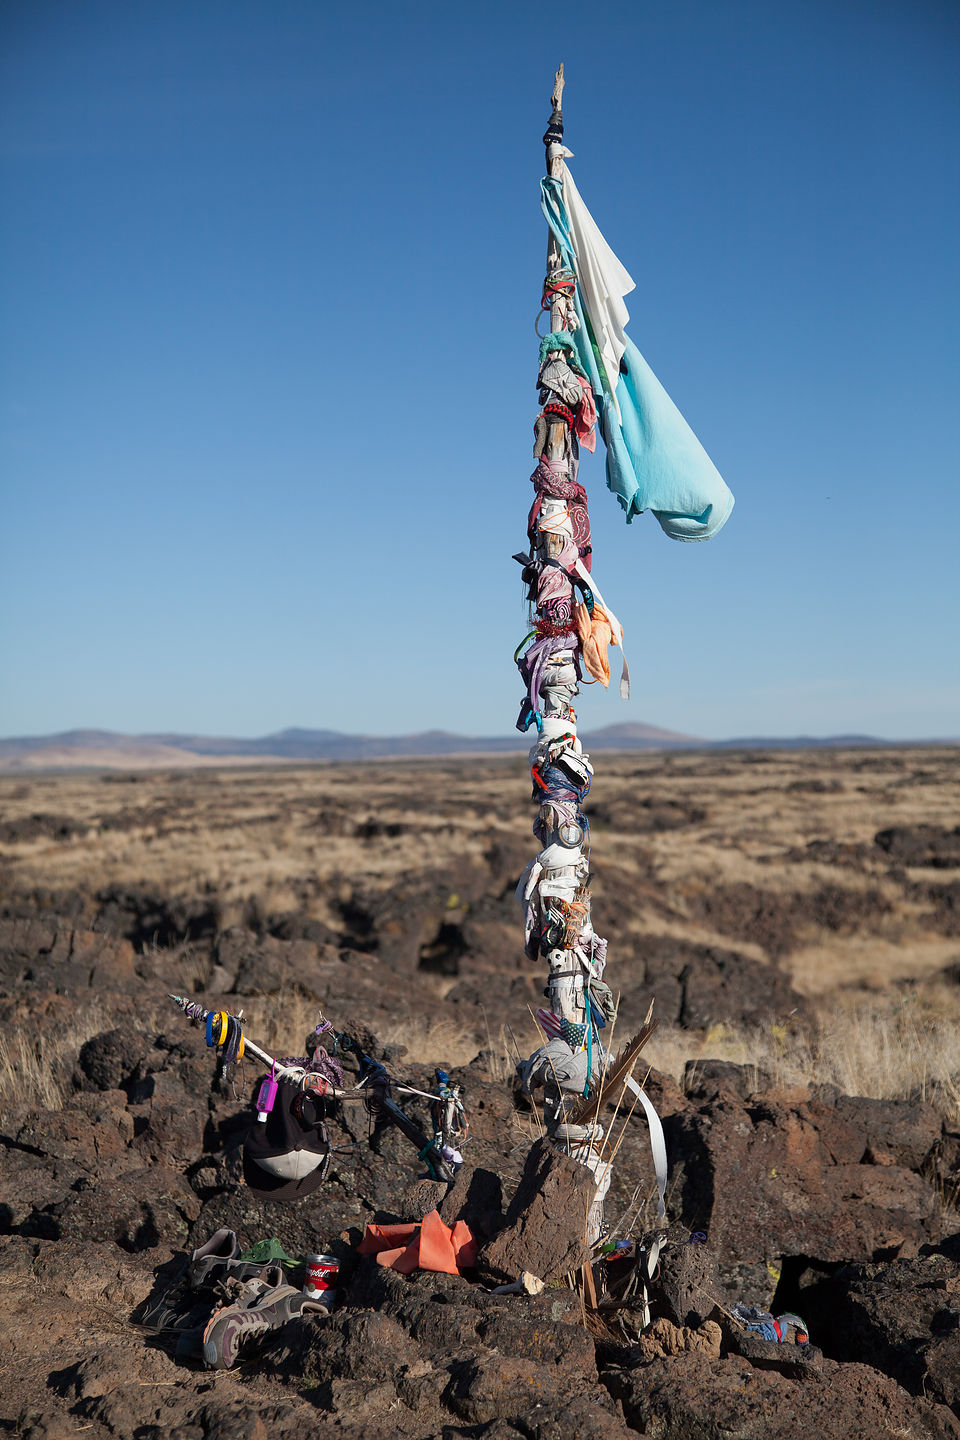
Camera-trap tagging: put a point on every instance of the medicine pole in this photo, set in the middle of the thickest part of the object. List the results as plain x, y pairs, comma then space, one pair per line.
553, 890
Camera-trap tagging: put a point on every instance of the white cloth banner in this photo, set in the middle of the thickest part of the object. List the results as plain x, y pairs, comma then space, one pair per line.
603, 283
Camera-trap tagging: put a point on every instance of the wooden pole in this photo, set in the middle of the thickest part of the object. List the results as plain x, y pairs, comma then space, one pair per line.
559, 923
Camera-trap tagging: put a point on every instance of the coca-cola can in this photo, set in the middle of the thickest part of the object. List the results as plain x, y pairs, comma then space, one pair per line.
321, 1278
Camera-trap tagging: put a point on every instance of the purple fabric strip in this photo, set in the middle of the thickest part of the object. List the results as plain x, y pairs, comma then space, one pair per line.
546, 481
538, 655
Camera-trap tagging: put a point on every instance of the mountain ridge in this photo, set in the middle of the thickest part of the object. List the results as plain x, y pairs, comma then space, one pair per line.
92, 748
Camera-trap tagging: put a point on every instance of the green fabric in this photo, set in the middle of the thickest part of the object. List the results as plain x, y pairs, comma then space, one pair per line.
562, 340
266, 1250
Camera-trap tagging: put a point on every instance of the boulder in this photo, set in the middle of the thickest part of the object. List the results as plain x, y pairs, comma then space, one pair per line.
690, 1395
263, 965
903, 1132
137, 1211
902, 1317
546, 1221
49, 956
701, 985
107, 1061
687, 1285
778, 1175
91, 1135
921, 845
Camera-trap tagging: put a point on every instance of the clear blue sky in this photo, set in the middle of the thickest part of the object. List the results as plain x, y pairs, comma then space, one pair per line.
269, 280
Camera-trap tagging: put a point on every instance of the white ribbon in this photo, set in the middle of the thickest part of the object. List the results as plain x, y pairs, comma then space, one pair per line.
658, 1145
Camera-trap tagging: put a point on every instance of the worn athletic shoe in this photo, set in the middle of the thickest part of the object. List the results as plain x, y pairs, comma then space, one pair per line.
228, 1291
175, 1308
217, 1262
258, 1309
211, 1261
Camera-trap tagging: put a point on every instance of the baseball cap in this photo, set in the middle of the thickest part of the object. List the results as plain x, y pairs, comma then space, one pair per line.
286, 1157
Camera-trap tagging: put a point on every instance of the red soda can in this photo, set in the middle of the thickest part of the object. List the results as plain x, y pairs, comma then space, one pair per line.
321, 1278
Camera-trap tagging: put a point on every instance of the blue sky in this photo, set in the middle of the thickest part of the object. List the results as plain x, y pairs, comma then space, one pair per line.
269, 277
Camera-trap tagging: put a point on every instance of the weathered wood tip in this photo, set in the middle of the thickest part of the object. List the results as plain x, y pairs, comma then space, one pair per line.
558, 84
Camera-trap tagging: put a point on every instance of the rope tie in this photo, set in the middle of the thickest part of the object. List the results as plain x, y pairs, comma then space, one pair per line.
562, 283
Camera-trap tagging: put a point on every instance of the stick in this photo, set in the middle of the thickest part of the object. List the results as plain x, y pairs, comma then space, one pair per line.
590, 1108
556, 98
200, 1016
282, 1071
590, 1289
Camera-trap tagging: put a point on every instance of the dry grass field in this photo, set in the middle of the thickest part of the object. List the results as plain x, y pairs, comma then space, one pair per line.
837, 870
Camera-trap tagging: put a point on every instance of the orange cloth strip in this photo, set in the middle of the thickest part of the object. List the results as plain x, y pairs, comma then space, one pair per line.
596, 635
431, 1245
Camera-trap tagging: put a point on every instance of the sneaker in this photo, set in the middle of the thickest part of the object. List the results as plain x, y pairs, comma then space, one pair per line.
217, 1262
191, 1331
173, 1309
259, 1309
210, 1261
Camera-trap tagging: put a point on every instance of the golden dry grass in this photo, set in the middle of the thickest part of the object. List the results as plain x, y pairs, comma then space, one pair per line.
784, 825
294, 837
883, 1047
36, 1060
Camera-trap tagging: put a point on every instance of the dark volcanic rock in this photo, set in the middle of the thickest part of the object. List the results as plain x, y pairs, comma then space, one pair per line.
476, 1197
799, 1362
40, 827
443, 1348
93, 1133
746, 913
28, 1181
546, 1221
945, 900
707, 1079
701, 985
775, 921
134, 1147
137, 1211
782, 1175
688, 1397
904, 1131
688, 1284
263, 965
920, 845
107, 1061
902, 1318
44, 955
154, 919
649, 815
718, 986
297, 925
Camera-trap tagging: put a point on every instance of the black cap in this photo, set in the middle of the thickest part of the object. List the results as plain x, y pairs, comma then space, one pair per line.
285, 1157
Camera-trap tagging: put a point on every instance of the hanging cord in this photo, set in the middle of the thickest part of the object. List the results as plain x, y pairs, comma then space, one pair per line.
561, 283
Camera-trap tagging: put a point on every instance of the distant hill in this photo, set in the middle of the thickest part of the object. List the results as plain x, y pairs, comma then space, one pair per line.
803, 742
103, 749
75, 749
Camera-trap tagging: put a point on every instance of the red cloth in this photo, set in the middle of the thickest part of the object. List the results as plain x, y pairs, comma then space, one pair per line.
431, 1245
587, 417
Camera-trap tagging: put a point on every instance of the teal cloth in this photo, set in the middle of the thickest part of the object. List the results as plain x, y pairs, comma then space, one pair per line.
654, 460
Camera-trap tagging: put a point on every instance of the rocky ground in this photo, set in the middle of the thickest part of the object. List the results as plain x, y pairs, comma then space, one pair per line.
742, 890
